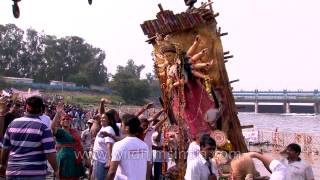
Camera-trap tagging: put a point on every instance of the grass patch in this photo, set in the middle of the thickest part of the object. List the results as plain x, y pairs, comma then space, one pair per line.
84, 99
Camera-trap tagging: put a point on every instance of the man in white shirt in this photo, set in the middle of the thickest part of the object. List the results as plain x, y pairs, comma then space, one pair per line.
149, 130
193, 149
131, 159
45, 119
203, 168
293, 168
277, 169
297, 168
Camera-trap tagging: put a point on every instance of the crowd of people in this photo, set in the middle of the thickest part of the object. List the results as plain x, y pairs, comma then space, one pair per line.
37, 138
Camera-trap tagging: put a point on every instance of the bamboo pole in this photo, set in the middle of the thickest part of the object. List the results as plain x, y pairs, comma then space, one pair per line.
216, 15
230, 124
181, 148
160, 7
210, 5
228, 57
223, 34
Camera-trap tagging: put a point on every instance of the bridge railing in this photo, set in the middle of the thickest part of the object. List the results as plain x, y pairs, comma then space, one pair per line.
277, 94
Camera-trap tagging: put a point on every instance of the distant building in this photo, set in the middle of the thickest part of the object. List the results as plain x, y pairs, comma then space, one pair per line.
60, 83
17, 80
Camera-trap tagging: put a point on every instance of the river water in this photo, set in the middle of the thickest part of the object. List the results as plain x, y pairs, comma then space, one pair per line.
295, 123
287, 123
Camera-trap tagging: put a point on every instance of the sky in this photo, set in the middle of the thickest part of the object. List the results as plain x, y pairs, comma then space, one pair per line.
275, 43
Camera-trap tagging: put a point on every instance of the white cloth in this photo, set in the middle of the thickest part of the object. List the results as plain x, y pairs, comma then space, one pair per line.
148, 137
158, 155
279, 170
193, 151
46, 120
121, 134
100, 152
156, 141
298, 170
133, 156
197, 169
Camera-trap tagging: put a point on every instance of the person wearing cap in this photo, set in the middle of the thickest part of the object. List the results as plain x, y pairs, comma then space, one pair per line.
87, 143
292, 168
86, 138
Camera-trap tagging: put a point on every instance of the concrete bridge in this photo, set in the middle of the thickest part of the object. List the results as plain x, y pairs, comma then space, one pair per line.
278, 101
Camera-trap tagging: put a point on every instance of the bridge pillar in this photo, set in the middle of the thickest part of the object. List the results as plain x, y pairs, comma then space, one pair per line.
256, 107
286, 107
317, 108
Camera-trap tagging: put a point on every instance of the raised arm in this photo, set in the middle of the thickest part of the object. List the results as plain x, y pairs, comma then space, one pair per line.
114, 137
160, 123
144, 108
155, 116
57, 116
101, 109
96, 126
266, 160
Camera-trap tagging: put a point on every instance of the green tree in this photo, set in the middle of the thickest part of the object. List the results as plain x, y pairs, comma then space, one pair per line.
127, 83
12, 48
96, 72
154, 86
46, 57
32, 62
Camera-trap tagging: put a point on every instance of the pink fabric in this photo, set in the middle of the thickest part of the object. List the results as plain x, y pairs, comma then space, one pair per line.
197, 103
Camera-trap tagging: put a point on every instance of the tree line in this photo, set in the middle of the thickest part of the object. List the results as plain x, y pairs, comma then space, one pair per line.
42, 57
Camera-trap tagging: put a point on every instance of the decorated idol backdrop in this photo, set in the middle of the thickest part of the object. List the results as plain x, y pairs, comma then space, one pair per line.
190, 63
